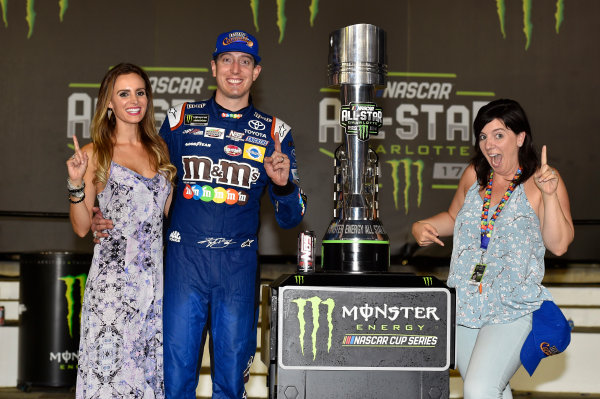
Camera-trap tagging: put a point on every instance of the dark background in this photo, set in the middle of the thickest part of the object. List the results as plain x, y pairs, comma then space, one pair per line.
554, 77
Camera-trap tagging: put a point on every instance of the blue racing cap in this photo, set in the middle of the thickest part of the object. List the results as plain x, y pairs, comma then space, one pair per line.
237, 40
550, 335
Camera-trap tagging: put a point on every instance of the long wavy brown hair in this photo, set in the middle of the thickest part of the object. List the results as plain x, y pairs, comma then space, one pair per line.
104, 123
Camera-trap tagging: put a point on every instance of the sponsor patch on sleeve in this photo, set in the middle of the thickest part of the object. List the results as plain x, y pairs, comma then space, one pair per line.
280, 128
295, 176
175, 116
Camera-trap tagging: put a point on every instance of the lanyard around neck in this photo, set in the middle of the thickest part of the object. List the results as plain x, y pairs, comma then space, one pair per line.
488, 227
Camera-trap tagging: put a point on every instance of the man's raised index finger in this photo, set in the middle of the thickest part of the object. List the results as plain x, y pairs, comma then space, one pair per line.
277, 143
544, 156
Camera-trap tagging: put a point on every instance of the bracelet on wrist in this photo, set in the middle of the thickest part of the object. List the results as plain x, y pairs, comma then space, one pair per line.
77, 193
73, 188
78, 201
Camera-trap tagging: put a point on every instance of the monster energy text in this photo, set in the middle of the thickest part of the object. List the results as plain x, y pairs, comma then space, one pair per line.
391, 313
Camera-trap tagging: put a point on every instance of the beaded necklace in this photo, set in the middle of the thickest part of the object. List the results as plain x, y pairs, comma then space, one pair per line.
488, 227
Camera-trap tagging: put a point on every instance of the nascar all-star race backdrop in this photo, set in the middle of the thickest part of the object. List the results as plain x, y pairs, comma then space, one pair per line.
445, 60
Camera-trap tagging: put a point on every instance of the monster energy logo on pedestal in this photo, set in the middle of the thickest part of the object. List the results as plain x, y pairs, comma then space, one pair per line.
315, 301
364, 327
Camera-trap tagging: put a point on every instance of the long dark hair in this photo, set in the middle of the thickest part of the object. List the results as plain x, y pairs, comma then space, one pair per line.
514, 117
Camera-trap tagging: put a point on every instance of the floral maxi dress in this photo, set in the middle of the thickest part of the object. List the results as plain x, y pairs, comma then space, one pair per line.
121, 346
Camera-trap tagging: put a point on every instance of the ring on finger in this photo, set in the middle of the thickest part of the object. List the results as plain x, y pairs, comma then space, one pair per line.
95, 234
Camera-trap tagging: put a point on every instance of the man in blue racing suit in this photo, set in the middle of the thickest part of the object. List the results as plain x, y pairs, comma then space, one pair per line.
227, 153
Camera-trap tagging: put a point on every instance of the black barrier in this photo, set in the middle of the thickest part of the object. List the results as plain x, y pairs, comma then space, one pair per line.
51, 294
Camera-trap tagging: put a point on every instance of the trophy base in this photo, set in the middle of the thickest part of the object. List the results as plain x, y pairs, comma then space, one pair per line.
355, 256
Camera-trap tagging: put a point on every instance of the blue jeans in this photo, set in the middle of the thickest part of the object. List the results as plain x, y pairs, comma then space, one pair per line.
489, 356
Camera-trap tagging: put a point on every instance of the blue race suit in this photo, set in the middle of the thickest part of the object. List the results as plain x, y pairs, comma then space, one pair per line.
211, 255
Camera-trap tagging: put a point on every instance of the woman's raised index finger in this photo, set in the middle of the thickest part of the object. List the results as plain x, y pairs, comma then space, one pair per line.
75, 143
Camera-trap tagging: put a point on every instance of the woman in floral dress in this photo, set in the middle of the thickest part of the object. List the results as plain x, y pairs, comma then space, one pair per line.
126, 166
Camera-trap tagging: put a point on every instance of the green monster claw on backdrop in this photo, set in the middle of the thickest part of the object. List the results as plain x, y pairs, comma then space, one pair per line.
313, 12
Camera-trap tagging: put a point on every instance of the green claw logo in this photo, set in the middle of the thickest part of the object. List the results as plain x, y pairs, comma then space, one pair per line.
315, 304
299, 279
428, 281
63, 5
30, 13
527, 25
363, 132
313, 9
70, 284
407, 163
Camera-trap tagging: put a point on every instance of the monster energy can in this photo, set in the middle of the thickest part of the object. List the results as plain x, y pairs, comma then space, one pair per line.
306, 252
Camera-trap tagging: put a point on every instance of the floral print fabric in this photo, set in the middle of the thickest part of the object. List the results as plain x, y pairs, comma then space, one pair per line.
120, 350
511, 284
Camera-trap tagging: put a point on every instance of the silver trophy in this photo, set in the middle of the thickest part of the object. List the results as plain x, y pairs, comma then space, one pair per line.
356, 241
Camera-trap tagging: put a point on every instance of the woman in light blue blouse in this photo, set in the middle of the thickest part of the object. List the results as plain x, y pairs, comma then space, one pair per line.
508, 209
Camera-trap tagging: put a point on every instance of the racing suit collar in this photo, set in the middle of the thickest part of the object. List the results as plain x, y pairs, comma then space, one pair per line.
220, 108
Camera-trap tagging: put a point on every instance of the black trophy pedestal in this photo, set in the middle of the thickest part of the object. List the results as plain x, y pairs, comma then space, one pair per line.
386, 335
